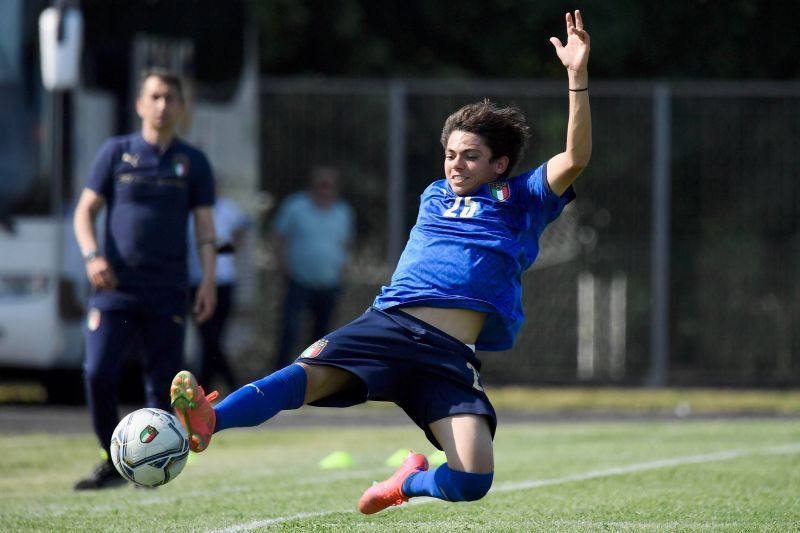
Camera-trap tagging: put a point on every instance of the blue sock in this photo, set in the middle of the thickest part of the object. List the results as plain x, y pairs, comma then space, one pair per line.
450, 485
259, 401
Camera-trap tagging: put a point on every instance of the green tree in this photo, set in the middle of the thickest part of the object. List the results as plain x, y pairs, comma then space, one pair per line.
737, 39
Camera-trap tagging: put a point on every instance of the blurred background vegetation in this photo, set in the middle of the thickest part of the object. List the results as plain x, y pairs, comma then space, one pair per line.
685, 39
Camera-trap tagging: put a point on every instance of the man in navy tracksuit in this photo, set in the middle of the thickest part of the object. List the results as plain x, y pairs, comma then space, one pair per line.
149, 182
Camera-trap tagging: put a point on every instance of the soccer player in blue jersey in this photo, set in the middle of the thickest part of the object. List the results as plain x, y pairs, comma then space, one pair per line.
148, 182
457, 287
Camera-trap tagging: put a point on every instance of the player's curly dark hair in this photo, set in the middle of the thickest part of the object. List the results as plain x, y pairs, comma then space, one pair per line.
503, 129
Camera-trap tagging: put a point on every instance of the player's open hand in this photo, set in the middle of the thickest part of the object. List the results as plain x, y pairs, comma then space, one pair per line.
575, 53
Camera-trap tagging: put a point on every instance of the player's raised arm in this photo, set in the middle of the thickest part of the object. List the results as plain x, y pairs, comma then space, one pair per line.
563, 168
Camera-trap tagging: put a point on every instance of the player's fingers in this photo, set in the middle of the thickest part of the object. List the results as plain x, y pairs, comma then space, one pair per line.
200, 308
99, 282
203, 314
578, 19
570, 23
556, 42
109, 280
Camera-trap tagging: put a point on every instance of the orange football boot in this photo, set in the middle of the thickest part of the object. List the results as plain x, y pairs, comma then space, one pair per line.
193, 409
390, 492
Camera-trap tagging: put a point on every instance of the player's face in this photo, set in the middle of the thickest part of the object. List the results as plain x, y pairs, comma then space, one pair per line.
159, 105
468, 162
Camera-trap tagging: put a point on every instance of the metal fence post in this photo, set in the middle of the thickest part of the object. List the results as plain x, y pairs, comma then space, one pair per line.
397, 171
660, 272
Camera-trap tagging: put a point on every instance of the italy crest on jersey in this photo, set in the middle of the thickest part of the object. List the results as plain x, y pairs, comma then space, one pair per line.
180, 165
500, 190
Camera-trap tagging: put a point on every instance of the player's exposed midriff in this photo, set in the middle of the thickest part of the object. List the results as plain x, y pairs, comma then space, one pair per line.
462, 324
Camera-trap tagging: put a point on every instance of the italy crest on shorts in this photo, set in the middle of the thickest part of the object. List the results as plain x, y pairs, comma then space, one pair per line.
315, 349
500, 190
93, 319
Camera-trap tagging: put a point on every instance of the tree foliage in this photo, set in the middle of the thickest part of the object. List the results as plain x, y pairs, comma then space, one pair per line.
708, 39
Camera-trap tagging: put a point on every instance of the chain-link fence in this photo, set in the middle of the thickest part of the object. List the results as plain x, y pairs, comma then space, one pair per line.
721, 261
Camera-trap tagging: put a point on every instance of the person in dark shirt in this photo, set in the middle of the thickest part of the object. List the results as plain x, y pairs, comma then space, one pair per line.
149, 182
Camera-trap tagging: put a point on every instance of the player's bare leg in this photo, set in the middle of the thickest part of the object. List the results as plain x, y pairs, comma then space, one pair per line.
324, 380
467, 442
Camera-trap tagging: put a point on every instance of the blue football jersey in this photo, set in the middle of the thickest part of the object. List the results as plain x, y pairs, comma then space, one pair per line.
470, 251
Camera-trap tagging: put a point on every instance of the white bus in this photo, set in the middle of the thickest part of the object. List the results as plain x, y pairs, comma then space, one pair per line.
48, 140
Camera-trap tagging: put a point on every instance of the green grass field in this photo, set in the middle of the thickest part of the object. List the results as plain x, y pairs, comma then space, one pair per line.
673, 475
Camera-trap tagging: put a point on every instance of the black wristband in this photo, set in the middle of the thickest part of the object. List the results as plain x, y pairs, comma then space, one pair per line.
579, 90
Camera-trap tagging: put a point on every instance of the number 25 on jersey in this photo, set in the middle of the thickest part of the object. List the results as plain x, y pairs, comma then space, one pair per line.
468, 210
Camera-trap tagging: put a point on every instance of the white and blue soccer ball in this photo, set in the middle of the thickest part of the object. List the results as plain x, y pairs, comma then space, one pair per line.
149, 447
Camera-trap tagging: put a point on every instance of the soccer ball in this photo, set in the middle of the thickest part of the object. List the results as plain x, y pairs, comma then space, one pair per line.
149, 447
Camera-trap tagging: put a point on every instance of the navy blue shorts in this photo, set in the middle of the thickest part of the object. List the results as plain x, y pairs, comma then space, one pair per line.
404, 360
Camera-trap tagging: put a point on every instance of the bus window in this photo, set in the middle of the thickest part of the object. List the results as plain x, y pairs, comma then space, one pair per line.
22, 189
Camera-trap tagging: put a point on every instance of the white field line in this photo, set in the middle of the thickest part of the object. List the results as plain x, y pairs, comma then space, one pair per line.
512, 486
159, 498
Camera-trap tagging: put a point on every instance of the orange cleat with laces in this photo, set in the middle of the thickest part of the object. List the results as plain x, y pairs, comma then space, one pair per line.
390, 492
193, 409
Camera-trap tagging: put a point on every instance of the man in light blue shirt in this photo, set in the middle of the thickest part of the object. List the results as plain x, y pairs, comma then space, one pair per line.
313, 231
